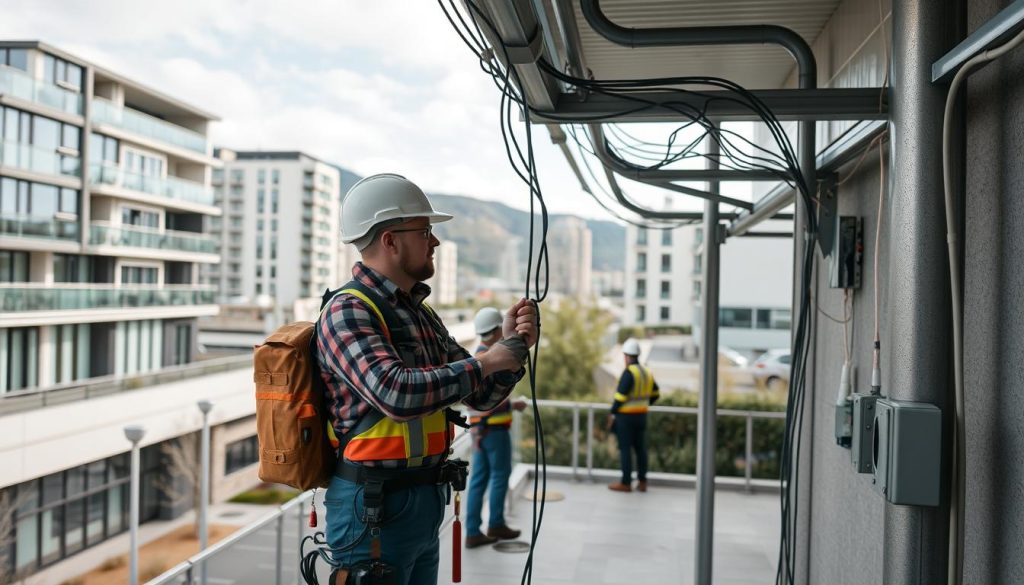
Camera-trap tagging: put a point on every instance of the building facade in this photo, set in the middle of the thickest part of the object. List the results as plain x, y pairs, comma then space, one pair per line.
444, 283
659, 276
104, 193
570, 248
279, 235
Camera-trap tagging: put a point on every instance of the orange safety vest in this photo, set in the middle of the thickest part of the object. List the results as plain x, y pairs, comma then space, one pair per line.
379, 438
639, 398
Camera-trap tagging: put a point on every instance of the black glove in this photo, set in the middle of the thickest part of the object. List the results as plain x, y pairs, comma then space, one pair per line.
517, 346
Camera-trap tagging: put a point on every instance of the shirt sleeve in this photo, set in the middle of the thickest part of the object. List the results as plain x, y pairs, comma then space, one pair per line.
655, 395
622, 392
495, 388
352, 344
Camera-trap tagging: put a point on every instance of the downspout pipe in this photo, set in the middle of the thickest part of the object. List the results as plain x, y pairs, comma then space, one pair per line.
807, 75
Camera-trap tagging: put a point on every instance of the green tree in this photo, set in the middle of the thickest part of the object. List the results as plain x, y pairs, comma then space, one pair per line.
571, 348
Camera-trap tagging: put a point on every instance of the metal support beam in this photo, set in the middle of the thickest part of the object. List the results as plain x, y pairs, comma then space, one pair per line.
999, 27
706, 417
916, 319
786, 104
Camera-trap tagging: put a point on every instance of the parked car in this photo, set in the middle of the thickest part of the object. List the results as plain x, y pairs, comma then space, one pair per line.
771, 370
728, 356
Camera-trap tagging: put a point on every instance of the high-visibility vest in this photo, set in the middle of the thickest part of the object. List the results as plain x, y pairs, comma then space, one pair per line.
378, 438
502, 416
639, 397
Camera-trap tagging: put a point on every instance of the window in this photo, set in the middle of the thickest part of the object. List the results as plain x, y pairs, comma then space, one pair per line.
14, 58
641, 288
72, 268
138, 217
13, 266
773, 318
740, 318
39, 201
261, 176
665, 289
273, 225
275, 176
666, 237
52, 141
698, 236
666, 263
241, 454
698, 262
236, 207
138, 275
237, 175
103, 149
641, 236
259, 224
19, 353
641, 313
217, 176
261, 200
641, 261
664, 315
145, 165
63, 73
274, 196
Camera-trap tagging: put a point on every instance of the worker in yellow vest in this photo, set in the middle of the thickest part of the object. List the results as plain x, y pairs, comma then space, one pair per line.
637, 390
391, 372
492, 456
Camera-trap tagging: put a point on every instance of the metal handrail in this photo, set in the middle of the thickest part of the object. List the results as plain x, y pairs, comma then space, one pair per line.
23, 400
592, 407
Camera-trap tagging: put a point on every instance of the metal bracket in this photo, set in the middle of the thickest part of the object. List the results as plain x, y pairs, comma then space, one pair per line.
828, 209
528, 53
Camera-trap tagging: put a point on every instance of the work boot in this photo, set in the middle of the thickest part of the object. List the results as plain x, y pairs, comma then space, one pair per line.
641, 486
503, 532
619, 487
479, 540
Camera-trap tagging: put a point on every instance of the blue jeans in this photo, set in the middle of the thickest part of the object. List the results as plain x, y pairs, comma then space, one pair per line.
408, 537
631, 430
492, 464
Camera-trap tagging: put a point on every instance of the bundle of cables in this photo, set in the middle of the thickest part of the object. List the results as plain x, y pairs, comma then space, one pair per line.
639, 95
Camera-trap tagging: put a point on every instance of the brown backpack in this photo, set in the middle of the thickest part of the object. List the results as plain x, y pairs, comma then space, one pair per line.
291, 414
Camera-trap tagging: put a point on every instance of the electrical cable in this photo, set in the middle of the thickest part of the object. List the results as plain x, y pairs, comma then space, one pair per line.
957, 495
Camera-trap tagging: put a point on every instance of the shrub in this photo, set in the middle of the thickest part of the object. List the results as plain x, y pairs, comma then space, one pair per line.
265, 496
152, 568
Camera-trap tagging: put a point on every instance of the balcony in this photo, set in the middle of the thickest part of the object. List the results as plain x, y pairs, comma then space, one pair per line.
105, 112
170, 187
104, 234
77, 296
29, 226
21, 85
38, 160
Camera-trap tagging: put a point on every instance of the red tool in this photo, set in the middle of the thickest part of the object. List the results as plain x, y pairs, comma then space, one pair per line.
457, 543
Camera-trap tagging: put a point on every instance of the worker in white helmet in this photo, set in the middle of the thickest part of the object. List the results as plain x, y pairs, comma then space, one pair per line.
391, 372
492, 457
637, 390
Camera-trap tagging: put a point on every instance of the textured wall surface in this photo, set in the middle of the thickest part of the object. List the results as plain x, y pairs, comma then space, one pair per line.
994, 316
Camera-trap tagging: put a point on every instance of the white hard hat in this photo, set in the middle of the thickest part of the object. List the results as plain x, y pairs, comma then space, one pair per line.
487, 319
380, 198
631, 347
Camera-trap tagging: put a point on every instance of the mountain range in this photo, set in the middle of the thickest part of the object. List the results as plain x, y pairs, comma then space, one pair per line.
484, 228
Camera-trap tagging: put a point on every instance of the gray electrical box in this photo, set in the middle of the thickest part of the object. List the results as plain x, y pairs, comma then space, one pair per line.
862, 431
906, 452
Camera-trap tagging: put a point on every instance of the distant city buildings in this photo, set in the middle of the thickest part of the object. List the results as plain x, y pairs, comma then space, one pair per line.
280, 232
444, 283
570, 253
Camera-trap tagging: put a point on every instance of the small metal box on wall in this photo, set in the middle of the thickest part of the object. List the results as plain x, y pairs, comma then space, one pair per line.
906, 452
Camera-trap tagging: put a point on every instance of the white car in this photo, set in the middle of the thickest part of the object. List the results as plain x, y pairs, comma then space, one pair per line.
771, 370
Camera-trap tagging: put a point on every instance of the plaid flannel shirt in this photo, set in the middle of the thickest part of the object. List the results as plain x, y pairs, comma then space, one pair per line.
362, 370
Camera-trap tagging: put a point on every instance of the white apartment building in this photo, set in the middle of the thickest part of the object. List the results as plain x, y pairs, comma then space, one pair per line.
280, 233
665, 273
659, 277
444, 284
104, 190
570, 253
104, 194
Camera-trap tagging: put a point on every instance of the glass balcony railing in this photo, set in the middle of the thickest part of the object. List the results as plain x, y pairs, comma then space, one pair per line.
134, 121
29, 226
17, 83
133, 237
172, 187
38, 160
71, 296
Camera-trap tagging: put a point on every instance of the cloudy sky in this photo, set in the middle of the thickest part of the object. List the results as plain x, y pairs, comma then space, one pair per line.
381, 85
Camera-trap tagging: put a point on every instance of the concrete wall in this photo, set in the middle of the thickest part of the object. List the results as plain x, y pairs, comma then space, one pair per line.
224, 486
994, 315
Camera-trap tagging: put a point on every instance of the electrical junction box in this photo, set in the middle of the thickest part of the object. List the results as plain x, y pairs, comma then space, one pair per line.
844, 423
906, 452
862, 431
846, 261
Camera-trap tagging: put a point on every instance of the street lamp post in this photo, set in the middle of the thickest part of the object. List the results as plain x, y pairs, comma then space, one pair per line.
204, 482
134, 433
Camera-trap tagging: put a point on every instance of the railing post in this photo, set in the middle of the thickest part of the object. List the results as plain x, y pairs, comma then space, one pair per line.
590, 442
279, 563
302, 526
189, 577
748, 471
575, 439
